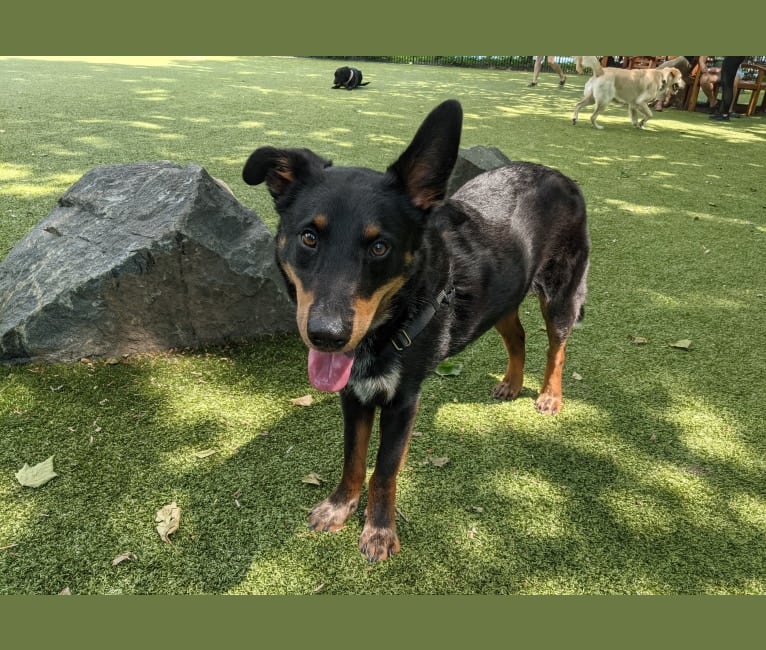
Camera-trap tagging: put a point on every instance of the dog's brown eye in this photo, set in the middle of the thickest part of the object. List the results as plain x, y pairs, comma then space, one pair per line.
379, 248
309, 238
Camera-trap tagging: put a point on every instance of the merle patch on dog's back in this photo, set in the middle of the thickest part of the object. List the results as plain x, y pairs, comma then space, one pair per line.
389, 278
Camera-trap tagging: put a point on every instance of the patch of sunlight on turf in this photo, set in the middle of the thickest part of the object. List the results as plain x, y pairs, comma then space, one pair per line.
704, 300
332, 136
250, 409
144, 125
710, 436
746, 586
381, 138
635, 208
686, 483
751, 509
704, 216
10, 172
94, 141
21, 513
273, 576
248, 124
536, 504
142, 61
152, 91
718, 131
639, 512
49, 185
461, 416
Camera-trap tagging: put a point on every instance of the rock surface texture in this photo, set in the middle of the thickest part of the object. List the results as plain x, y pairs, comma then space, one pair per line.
472, 161
136, 258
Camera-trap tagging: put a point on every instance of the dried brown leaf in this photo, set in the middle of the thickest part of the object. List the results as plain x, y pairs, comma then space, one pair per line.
306, 400
38, 475
168, 520
127, 556
204, 453
312, 478
438, 462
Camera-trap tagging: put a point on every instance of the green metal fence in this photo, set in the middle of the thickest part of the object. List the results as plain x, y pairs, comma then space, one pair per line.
496, 62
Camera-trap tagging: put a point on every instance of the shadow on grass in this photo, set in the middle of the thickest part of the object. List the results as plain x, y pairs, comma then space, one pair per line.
651, 481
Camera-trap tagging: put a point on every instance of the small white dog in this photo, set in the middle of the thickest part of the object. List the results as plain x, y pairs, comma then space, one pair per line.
636, 88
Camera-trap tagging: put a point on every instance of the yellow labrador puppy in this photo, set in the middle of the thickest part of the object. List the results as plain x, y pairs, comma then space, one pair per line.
636, 88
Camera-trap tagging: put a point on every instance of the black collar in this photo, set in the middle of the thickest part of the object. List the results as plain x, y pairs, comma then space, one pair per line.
404, 337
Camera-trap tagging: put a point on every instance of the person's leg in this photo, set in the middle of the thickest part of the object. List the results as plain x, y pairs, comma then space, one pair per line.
729, 69
536, 72
557, 69
708, 80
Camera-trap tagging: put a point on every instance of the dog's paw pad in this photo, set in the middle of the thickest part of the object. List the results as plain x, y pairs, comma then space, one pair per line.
378, 544
506, 391
548, 404
328, 516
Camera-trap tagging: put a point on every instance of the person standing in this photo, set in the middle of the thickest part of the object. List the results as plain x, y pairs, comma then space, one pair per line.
554, 66
729, 69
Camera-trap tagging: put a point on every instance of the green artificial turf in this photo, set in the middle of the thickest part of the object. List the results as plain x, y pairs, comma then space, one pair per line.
650, 481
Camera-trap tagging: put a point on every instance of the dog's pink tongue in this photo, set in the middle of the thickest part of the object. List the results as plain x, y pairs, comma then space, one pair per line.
329, 371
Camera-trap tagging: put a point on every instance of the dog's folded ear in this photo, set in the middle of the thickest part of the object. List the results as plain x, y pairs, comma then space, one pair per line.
425, 166
281, 168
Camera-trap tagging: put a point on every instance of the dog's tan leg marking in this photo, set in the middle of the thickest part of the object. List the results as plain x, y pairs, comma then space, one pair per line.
331, 514
550, 400
379, 539
511, 330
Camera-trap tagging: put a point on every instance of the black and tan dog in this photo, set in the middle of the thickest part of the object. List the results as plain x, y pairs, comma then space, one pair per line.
348, 78
390, 278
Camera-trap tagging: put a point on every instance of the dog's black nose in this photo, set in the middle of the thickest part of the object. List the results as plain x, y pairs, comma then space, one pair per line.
328, 335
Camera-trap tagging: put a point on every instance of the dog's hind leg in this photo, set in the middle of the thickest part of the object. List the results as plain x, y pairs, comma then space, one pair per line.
511, 330
600, 108
585, 101
550, 400
561, 310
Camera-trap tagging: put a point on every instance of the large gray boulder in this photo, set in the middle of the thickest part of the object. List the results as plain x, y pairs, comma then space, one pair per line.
472, 161
135, 258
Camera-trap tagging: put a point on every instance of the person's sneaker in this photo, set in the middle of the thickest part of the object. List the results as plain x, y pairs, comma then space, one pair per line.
719, 118
733, 114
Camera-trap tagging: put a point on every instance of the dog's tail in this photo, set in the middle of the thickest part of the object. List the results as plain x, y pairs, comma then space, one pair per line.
594, 64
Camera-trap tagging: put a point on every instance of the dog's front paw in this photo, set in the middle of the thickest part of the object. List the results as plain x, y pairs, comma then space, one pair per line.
378, 543
548, 404
506, 390
329, 515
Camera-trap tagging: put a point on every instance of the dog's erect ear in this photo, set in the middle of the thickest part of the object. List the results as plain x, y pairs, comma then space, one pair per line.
280, 168
425, 166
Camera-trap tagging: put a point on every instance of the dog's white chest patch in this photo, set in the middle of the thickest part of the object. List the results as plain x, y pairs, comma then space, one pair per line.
371, 387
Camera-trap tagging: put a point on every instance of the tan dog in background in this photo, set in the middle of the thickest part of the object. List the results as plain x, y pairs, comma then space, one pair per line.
636, 88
